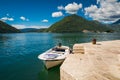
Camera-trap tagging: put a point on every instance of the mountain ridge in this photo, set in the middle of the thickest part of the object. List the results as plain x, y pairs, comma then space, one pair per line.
117, 22
75, 23
6, 28
33, 30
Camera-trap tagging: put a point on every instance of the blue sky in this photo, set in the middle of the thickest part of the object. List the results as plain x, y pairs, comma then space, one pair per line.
43, 13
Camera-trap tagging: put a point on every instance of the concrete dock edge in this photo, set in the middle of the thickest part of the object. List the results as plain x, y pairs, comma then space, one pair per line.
93, 62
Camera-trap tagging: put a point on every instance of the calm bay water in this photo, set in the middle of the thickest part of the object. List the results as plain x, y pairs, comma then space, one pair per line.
18, 53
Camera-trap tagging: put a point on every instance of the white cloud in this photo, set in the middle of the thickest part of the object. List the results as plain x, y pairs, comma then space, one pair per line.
60, 8
23, 18
108, 11
57, 14
44, 20
11, 19
7, 14
73, 8
91, 9
18, 26
7, 19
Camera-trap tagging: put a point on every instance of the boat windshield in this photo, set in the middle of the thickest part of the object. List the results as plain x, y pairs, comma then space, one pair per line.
59, 49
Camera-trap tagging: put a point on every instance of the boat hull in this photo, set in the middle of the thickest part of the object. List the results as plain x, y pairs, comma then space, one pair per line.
52, 63
54, 56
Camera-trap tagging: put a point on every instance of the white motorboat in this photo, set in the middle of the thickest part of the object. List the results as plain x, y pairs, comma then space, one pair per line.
54, 56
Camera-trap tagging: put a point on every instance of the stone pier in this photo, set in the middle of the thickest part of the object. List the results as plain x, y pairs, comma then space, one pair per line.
93, 62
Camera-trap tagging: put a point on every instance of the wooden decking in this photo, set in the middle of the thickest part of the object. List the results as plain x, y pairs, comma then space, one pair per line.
99, 62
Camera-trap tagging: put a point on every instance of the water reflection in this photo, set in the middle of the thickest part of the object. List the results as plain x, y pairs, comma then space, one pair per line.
50, 74
70, 39
20, 51
3, 38
43, 74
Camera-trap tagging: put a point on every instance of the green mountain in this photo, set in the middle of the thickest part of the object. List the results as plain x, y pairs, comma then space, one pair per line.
75, 23
117, 22
28, 30
42, 30
6, 28
115, 27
